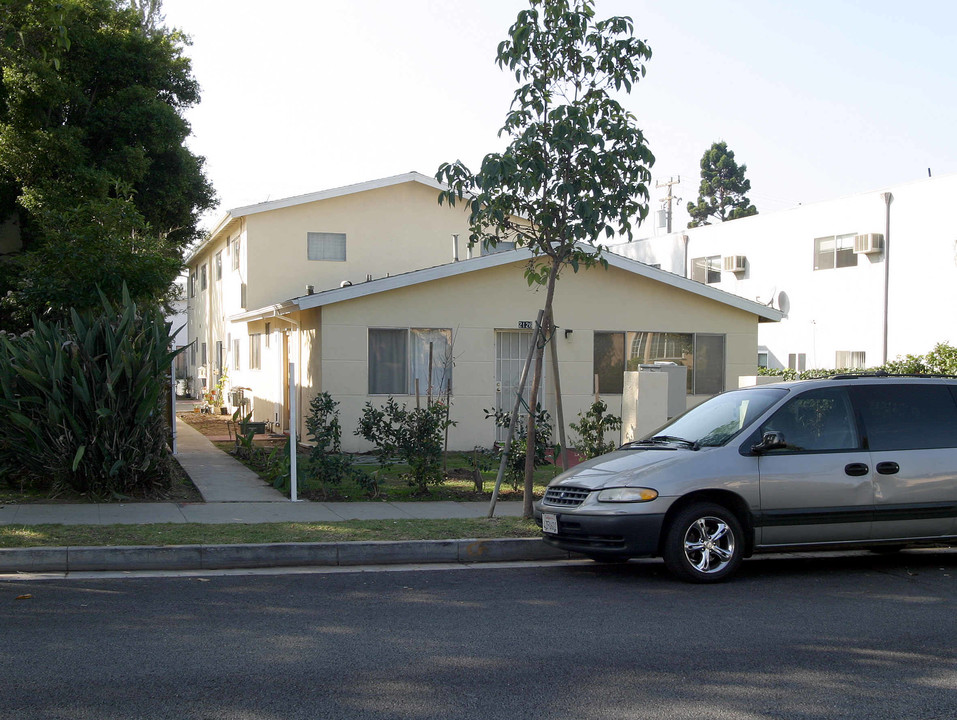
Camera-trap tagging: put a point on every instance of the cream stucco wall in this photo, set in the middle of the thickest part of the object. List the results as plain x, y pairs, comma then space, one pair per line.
475, 305
389, 230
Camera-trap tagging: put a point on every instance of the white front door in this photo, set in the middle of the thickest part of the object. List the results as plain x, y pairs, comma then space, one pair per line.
511, 350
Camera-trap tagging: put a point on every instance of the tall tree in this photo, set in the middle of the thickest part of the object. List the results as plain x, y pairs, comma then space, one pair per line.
93, 162
577, 166
722, 194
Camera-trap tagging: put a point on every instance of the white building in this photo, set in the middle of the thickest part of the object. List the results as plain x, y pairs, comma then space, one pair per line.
831, 266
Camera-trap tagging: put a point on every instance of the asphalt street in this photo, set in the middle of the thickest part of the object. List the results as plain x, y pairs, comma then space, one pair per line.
808, 638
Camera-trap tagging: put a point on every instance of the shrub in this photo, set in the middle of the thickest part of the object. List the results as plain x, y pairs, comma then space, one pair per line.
942, 360
591, 428
515, 463
328, 465
412, 436
83, 402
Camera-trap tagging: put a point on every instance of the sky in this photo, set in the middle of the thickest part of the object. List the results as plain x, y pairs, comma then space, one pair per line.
818, 99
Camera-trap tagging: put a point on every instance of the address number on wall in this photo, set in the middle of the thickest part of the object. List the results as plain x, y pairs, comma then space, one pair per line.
525, 324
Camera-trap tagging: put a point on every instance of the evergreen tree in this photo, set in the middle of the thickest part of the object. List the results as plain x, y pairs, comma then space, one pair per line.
722, 194
94, 171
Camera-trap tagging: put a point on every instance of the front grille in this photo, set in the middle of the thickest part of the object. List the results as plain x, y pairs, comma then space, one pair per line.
565, 496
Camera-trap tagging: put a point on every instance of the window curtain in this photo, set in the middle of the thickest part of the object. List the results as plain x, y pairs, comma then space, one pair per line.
441, 379
388, 368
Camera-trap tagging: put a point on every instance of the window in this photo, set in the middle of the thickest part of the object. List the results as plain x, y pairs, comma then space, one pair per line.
242, 295
219, 356
326, 246
235, 255
192, 284
202, 277
255, 351
500, 247
850, 359
907, 417
204, 354
762, 358
218, 266
192, 353
236, 355
836, 251
706, 269
399, 357
703, 355
268, 333
815, 421
797, 361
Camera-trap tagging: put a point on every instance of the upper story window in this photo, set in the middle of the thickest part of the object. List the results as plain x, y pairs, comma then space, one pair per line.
235, 253
192, 283
202, 277
218, 265
706, 269
834, 251
326, 246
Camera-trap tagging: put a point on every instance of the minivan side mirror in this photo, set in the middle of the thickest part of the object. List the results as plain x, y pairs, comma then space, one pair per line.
771, 440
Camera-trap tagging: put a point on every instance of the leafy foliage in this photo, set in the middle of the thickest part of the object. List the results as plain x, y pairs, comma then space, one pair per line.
83, 402
515, 463
722, 194
413, 436
942, 360
93, 165
591, 427
328, 465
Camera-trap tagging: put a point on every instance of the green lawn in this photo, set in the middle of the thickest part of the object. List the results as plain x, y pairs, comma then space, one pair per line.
17, 536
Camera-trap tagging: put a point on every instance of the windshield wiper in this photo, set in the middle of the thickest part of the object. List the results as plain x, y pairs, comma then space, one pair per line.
659, 440
692, 444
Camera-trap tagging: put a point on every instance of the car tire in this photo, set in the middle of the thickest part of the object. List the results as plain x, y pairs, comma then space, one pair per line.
704, 543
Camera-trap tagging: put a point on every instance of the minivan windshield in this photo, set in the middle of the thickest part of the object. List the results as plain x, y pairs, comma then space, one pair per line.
714, 422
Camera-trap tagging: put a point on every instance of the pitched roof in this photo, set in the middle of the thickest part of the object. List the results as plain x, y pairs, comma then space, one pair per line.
439, 272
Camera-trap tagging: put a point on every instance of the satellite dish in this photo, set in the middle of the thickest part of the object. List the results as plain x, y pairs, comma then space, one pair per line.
782, 302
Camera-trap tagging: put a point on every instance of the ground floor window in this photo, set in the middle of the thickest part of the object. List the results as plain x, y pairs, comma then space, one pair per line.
851, 359
255, 351
703, 355
399, 356
797, 361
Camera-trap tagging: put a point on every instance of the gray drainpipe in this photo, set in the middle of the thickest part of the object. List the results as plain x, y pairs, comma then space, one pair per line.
887, 197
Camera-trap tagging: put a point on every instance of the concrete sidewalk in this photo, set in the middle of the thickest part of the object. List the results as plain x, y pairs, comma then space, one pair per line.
235, 494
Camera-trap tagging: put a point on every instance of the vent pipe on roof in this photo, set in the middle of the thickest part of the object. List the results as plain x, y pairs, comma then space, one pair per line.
455, 247
310, 289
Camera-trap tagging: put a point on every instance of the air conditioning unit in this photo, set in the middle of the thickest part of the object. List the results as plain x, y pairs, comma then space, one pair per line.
868, 243
735, 263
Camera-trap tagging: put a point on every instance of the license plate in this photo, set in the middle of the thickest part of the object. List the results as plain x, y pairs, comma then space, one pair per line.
550, 523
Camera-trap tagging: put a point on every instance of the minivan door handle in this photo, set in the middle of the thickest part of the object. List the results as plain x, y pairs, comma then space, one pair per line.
888, 468
856, 469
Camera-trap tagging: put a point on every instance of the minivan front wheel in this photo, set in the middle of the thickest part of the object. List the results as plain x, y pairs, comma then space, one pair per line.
704, 543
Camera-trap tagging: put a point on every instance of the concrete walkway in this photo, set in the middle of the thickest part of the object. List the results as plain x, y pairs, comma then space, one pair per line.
235, 494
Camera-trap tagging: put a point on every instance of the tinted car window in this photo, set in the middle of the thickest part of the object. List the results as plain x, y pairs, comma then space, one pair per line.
814, 421
907, 417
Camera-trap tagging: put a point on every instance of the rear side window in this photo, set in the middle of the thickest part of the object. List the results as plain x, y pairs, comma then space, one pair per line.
907, 417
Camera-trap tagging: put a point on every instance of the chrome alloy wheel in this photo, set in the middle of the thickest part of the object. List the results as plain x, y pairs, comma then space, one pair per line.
709, 545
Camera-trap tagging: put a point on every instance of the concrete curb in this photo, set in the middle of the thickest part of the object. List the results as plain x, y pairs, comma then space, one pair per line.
219, 557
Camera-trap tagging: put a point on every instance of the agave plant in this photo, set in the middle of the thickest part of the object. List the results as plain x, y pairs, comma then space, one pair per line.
83, 402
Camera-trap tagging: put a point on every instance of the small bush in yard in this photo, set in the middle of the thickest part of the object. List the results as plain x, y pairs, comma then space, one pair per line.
515, 465
83, 402
412, 436
328, 465
591, 428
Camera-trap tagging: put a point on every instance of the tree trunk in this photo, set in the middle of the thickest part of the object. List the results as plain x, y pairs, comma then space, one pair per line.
536, 384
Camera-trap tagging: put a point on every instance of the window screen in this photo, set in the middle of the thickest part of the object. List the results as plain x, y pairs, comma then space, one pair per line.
388, 362
326, 246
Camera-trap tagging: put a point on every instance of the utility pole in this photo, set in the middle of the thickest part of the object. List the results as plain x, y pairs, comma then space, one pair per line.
668, 198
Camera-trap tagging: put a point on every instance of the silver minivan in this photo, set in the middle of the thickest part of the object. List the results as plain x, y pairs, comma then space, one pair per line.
847, 461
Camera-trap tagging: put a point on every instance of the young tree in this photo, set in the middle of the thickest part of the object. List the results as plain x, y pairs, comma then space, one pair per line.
577, 166
93, 164
722, 193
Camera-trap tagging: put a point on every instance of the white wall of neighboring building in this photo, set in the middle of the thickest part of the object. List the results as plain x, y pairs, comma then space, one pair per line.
836, 309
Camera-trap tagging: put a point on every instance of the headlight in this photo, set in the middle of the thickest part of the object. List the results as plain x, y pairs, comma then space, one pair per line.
627, 494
